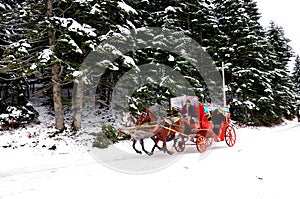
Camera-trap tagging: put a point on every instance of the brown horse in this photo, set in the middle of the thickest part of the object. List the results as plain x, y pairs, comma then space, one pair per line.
146, 117
170, 126
137, 132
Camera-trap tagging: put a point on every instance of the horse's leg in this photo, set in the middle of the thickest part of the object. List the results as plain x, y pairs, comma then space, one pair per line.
143, 147
133, 145
155, 145
154, 140
164, 139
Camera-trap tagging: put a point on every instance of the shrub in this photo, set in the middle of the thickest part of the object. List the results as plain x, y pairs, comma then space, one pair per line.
108, 135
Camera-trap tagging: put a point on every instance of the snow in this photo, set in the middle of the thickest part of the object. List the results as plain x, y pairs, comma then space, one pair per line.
132, 26
95, 9
128, 60
23, 13
170, 9
21, 45
263, 99
73, 43
77, 73
126, 7
45, 56
171, 58
22, 49
123, 30
83, 1
2, 6
14, 111
262, 164
33, 66
76, 27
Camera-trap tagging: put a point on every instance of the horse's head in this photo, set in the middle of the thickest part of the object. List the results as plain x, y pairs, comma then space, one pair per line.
146, 116
128, 120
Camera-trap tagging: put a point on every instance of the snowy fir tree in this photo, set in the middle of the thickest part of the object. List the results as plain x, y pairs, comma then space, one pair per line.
243, 50
296, 78
282, 85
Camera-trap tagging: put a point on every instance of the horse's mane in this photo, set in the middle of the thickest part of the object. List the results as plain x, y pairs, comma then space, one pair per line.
153, 117
150, 117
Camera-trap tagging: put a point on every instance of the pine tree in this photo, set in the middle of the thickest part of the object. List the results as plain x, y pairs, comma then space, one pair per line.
14, 43
242, 49
282, 85
296, 78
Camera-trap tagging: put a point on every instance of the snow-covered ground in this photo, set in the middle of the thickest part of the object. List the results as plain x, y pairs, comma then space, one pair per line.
264, 163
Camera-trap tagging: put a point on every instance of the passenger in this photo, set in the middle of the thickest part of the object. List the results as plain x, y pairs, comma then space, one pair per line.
217, 119
188, 112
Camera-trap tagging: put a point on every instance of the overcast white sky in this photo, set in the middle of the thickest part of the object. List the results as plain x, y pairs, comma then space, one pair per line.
284, 13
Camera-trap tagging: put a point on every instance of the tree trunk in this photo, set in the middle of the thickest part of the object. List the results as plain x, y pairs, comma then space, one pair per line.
78, 103
56, 74
78, 95
57, 98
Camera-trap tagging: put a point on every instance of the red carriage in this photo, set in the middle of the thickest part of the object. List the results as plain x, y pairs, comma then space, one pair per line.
202, 123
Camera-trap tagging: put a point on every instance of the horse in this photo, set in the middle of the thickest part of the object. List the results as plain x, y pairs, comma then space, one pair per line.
147, 117
170, 126
155, 130
138, 133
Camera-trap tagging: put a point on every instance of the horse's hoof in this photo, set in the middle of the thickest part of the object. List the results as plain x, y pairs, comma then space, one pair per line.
151, 153
171, 152
139, 152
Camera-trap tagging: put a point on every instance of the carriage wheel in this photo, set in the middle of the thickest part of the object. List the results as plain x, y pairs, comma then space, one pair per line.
201, 144
179, 144
230, 136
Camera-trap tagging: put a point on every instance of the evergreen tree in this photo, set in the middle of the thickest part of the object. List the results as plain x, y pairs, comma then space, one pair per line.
243, 50
13, 36
282, 85
296, 78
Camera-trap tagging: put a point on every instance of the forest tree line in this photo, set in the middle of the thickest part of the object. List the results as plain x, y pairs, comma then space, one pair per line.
44, 42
